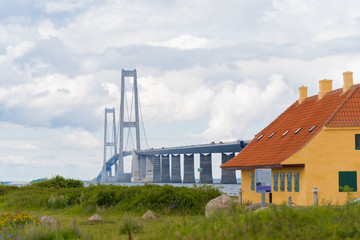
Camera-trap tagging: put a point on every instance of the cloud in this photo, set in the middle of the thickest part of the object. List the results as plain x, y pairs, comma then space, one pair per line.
55, 100
237, 106
63, 6
15, 52
183, 42
75, 140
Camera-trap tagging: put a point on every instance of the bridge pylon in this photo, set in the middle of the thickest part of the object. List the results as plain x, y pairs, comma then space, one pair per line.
106, 173
129, 123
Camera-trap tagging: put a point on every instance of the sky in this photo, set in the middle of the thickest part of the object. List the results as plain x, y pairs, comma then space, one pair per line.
207, 71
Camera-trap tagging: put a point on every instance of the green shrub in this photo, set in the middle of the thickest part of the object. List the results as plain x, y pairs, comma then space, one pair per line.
165, 199
131, 226
59, 182
57, 201
4, 189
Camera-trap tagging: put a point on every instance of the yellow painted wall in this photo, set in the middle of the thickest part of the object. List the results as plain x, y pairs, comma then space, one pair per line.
330, 151
278, 197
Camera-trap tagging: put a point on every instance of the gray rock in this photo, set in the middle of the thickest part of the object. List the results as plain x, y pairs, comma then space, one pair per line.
261, 209
150, 215
96, 218
47, 220
223, 202
254, 207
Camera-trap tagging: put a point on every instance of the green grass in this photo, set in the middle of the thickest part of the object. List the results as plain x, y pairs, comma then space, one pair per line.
280, 222
182, 213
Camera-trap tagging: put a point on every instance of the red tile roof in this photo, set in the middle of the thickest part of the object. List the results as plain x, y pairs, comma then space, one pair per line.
335, 109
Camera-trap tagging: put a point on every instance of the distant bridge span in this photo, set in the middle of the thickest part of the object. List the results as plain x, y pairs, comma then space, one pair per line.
202, 149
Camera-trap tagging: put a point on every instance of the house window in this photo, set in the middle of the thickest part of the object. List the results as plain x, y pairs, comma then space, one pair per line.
288, 178
252, 182
275, 176
347, 181
357, 141
282, 182
296, 182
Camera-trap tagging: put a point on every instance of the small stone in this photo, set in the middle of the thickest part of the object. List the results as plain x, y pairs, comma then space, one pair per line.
47, 220
150, 215
261, 209
223, 202
256, 206
96, 218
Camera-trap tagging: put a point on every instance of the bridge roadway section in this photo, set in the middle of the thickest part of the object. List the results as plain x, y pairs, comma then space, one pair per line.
153, 165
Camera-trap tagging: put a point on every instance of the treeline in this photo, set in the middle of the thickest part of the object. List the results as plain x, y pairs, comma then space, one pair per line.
59, 193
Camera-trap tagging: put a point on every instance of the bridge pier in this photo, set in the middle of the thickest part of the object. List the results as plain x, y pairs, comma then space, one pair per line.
189, 175
149, 168
165, 170
157, 169
227, 176
135, 167
142, 167
205, 164
175, 168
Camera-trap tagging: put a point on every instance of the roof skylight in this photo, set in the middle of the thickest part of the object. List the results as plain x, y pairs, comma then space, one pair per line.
285, 133
260, 137
271, 134
297, 131
312, 128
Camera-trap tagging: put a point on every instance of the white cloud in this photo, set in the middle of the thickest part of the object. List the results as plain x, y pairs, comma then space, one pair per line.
15, 52
183, 42
75, 140
56, 96
46, 29
64, 5
174, 96
236, 106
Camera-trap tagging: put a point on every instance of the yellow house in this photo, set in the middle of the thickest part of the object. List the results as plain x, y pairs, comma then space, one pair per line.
313, 143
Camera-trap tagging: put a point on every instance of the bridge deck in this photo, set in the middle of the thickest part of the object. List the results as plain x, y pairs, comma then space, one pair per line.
203, 148
192, 149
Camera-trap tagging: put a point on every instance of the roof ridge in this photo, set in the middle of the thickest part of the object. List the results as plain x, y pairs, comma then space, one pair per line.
332, 116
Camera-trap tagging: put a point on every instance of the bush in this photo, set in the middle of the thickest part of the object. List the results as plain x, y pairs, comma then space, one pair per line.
4, 189
59, 182
130, 226
57, 202
165, 199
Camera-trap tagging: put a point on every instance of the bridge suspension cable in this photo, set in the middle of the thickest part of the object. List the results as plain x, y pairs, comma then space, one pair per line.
143, 125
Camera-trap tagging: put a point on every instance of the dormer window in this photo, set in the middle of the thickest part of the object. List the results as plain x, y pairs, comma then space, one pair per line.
260, 137
285, 133
271, 134
297, 130
312, 128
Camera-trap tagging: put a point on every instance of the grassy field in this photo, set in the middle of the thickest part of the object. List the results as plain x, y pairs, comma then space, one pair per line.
182, 212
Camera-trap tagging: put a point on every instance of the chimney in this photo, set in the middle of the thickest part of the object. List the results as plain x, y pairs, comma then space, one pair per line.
302, 93
348, 80
325, 86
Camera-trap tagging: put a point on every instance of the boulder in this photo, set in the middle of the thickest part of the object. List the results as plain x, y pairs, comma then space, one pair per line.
150, 215
47, 220
96, 218
223, 202
256, 206
261, 209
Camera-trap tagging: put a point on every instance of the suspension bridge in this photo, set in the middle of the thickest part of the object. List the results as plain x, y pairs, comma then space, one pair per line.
160, 165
